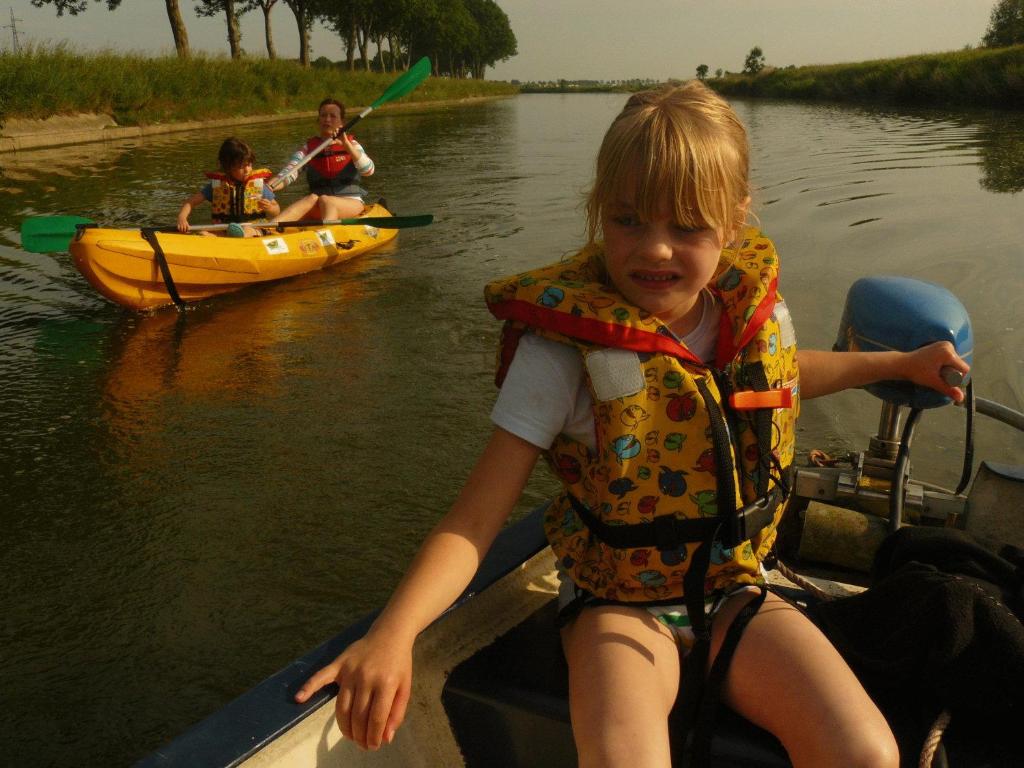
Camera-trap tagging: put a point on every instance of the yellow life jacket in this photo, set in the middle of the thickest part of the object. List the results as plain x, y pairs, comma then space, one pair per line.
235, 201
687, 453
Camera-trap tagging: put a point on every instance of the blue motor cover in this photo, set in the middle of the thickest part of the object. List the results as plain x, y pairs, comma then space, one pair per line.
887, 313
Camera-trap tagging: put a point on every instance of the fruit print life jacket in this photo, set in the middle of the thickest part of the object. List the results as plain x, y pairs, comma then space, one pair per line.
235, 201
692, 464
332, 171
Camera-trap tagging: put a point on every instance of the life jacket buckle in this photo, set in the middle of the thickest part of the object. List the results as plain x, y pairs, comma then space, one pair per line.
754, 517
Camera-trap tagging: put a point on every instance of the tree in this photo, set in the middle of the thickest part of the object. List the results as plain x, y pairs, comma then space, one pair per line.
702, 71
1006, 24
304, 11
75, 7
266, 6
495, 40
227, 7
754, 62
718, 72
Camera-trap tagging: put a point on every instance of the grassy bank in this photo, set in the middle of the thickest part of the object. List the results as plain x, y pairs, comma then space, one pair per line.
984, 77
43, 81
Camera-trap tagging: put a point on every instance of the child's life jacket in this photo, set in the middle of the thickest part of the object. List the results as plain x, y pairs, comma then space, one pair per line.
687, 453
237, 201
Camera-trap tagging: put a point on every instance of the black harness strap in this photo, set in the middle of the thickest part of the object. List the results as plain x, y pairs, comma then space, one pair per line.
149, 235
669, 533
707, 712
761, 421
691, 684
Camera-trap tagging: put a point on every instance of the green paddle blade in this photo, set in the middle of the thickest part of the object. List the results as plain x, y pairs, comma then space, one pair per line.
49, 234
417, 74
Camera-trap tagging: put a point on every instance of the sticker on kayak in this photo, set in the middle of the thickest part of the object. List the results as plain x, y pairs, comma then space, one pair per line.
371, 231
309, 247
326, 238
275, 245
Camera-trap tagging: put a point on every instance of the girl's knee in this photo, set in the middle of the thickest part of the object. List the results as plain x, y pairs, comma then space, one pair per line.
876, 748
871, 746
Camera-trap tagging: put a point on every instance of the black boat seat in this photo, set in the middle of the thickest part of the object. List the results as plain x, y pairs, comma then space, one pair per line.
508, 707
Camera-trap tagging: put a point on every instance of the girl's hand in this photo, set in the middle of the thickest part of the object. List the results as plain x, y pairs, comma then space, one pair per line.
925, 366
374, 677
183, 223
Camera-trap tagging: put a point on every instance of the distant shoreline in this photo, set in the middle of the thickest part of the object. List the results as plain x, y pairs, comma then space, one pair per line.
48, 90
25, 135
980, 77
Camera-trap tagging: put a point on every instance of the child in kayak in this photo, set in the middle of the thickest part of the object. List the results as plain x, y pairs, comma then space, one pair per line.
658, 373
237, 192
333, 174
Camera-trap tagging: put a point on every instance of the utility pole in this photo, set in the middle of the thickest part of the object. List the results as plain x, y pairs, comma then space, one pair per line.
13, 26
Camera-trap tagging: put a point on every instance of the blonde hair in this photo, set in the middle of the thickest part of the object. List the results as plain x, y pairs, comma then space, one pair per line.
679, 143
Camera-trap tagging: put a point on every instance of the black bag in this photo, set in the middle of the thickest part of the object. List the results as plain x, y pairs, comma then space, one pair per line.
939, 628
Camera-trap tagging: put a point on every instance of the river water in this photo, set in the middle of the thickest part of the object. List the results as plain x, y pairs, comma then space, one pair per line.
189, 501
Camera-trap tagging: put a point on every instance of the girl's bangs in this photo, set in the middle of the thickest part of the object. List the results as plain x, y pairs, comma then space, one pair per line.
653, 173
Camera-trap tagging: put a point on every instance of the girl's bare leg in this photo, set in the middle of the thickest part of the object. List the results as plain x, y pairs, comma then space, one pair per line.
303, 208
788, 678
623, 679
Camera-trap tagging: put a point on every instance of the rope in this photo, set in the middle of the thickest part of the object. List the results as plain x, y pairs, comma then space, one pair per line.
931, 744
805, 584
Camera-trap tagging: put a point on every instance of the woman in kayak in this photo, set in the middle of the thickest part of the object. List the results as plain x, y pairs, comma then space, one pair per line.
333, 174
236, 192
657, 371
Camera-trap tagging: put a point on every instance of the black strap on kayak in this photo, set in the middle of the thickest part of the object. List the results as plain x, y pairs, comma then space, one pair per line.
149, 235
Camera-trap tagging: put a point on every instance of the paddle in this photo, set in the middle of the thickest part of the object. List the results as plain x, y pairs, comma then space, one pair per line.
417, 74
50, 234
380, 222
47, 234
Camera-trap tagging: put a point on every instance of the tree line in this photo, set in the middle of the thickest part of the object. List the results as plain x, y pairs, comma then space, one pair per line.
1005, 28
461, 37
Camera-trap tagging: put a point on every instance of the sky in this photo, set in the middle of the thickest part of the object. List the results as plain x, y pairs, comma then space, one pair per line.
574, 39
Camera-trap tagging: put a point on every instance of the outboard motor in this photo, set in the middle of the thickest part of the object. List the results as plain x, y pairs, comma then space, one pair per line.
900, 313
895, 313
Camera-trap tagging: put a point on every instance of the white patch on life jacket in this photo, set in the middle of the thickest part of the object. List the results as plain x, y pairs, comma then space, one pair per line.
785, 321
614, 373
326, 237
275, 246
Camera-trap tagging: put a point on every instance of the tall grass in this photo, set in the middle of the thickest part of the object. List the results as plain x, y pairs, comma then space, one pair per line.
985, 77
41, 81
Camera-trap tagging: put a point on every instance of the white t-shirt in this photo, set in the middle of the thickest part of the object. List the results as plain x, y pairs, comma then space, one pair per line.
544, 394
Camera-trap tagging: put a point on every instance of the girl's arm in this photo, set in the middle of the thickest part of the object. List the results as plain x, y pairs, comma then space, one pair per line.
186, 210
822, 373
374, 674
269, 204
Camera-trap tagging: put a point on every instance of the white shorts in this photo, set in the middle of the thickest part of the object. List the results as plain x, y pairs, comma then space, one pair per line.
673, 616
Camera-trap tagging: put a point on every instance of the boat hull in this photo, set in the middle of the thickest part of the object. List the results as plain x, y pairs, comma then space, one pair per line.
122, 265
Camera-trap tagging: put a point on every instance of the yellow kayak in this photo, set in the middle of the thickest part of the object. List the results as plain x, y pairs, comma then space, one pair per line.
123, 265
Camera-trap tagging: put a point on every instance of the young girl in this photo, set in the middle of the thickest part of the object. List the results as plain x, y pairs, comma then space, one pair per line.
334, 173
236, 192
657, 369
